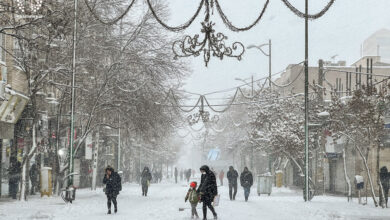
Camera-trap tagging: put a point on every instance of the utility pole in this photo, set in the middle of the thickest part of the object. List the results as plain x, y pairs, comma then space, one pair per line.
269, 63
71, 162
306, 193
1, 168
119, 144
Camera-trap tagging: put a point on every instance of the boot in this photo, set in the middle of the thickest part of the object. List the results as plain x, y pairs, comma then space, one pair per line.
109, 211
115, 210
215, 216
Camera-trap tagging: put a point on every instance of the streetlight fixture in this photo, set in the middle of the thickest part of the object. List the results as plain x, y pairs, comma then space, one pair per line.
269, 55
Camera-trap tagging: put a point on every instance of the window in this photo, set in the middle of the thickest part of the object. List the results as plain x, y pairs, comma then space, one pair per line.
2, 48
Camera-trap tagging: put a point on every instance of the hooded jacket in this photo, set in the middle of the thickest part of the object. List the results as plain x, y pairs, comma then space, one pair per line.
113, 183
208, 183
146, 176
246, 178
232, 176
384, 177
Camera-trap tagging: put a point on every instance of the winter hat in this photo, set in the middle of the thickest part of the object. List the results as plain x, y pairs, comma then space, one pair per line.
193, 184
110, 168
204, 168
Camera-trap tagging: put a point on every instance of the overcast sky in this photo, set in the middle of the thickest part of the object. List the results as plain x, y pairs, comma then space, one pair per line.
341, 31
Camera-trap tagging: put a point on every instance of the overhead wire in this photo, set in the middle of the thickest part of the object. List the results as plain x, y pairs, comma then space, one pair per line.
289, 84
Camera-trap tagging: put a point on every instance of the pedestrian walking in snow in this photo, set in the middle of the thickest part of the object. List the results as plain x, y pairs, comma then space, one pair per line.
113, 186
232, 176
160, 176
181, 174
221, 176
246, 180
188, 175
176, 173
14, 177
193, 198
207, 190
146, 177
34, 178
155, 176
384, 176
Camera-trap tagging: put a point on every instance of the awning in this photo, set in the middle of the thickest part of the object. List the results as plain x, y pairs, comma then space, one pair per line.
10, 110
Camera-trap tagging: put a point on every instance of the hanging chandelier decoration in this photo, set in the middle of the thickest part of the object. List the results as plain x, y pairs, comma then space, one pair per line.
211, 45
202, 115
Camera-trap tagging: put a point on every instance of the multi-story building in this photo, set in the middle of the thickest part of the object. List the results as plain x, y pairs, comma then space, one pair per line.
378, 44
13, 99
339, 79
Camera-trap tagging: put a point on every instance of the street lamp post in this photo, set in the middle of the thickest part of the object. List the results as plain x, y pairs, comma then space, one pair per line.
73, 95
269, 55
306, 197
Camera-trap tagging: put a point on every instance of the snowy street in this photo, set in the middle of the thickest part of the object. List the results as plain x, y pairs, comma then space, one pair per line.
164, 201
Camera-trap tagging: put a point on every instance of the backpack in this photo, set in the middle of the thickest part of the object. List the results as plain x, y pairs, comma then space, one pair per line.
193, 197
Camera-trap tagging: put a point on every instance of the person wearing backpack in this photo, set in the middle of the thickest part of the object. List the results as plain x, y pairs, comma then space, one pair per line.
193, 197
113, 186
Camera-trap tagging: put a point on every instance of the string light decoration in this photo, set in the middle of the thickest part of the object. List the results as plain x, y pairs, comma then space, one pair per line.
300, 14
211, 45
34, 5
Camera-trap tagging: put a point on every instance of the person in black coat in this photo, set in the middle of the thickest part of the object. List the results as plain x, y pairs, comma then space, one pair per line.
188, 175
207, 190
146, 177
232, 176
246, 180
113, 186
14, 173
176, 174
34, 178
385, 181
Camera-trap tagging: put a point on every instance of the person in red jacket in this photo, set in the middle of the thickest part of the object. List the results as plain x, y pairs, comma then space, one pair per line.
221, 176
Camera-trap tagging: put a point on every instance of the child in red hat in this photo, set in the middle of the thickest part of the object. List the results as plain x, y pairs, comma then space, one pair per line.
193, 197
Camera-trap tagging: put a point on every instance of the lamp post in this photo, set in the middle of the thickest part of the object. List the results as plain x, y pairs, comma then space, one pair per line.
269, 55
306, 197
71, 167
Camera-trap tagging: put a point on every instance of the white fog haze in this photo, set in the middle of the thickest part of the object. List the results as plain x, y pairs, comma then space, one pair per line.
184, 109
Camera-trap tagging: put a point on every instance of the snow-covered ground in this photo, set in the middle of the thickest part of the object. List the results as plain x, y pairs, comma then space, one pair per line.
165, 199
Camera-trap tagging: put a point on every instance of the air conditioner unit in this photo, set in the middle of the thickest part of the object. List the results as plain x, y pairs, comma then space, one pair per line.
2, 90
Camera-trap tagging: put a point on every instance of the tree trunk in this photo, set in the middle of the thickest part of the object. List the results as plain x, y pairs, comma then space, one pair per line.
368, 174
347, 178
25, 166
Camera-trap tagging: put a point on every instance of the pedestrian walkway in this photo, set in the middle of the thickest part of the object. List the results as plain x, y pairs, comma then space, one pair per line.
164, 200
